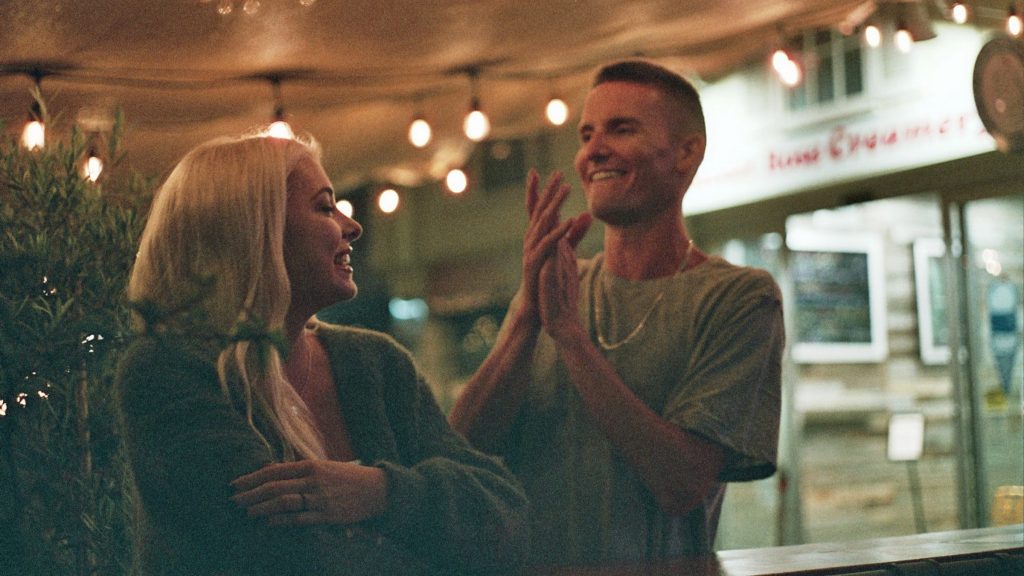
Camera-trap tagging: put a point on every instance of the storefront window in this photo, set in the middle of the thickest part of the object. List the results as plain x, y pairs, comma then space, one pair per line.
861, 374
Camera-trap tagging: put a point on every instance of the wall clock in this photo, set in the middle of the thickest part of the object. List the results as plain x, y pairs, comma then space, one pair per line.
999, 91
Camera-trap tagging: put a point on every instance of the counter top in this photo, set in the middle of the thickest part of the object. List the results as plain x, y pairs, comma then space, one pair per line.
821, 558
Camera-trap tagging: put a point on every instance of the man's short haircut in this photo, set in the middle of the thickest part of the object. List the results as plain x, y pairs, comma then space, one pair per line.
673, 85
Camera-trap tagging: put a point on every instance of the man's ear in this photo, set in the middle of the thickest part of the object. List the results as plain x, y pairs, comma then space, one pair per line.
690, 153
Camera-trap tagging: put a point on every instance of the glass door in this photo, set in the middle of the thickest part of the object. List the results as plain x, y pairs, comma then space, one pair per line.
991, 373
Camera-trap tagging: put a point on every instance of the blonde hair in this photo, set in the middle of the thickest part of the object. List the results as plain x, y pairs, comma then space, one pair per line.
220, 217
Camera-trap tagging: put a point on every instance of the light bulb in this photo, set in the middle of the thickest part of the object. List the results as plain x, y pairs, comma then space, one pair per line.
786, 68
92, 168
780, 60
388, 201
456, 181
420, 132
791, 75
904, 41
345, 207
225, 7
34, 135
476, 125
251, 7
1013, 22
557, 111
959, 13
872, 36
280, 129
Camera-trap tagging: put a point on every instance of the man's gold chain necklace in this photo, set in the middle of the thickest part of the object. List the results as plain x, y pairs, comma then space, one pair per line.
609, 346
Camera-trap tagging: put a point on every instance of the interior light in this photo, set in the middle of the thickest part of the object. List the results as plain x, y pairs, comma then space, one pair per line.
346, 208
456, 181
92, 167
557, 111
476, 125
959, 12
280, 129
786, 68
779, 59
872, 36
411, 309
34, 135
1013, 21
249, 7
388, 201
904, 40
420, 132
791, 75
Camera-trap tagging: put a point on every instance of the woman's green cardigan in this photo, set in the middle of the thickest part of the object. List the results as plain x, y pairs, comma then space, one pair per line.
451, 509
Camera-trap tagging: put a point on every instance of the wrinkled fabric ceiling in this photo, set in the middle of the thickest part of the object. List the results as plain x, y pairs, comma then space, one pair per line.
354, 72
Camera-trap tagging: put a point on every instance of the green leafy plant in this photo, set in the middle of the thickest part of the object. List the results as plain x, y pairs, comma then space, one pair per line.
66, 248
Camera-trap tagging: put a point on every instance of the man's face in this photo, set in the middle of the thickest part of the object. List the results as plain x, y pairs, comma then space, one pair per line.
628, 158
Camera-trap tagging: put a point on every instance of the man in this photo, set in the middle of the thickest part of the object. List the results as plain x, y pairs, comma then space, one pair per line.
626, 389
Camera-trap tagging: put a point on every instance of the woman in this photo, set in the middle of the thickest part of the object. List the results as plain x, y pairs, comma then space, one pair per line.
330, 459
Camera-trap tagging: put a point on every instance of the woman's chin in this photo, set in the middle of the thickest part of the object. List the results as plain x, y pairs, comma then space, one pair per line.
348, 291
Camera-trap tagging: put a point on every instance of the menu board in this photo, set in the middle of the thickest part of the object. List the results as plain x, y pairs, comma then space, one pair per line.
932, 317
838, 297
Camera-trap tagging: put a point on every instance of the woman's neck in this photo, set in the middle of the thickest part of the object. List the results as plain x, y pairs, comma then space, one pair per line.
295, 332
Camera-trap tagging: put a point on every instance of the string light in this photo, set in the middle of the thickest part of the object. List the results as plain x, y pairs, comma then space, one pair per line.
872, 36
456, 181
279, 128
476, 125
557, 111
420, 132
93, 165
958, 11
345, 207
904, 40
33, 136
249, 7
1013, 21
786, 68
388, 201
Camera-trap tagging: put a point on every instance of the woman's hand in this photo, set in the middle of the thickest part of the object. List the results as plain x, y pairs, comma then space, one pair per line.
312, 492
